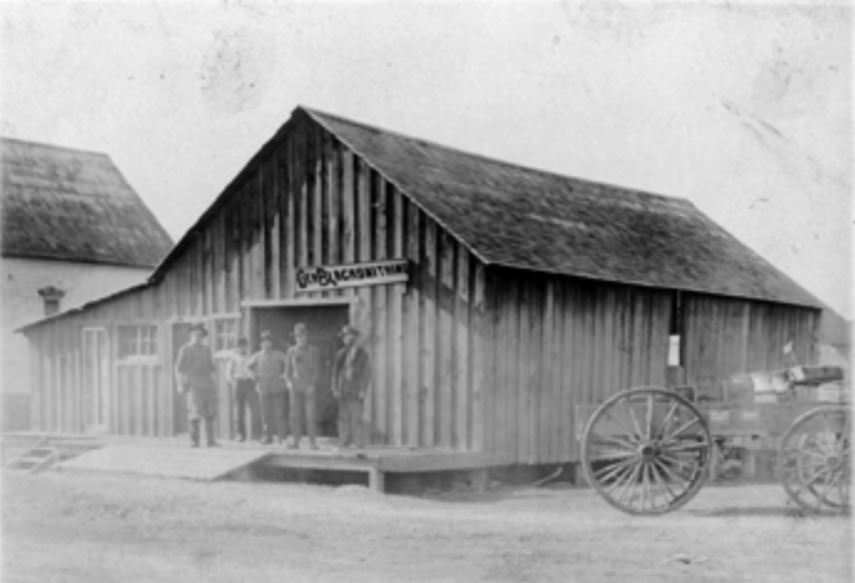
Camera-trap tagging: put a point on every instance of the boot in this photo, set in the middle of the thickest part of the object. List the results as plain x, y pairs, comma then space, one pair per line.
209, 432
194, 433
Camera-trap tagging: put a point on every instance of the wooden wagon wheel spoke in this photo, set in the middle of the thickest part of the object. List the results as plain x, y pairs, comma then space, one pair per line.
620, 441
630, 483
835, 479
648, 422
667, 473
690, 423
671, 410
634, 419
610, 471
664, 471
605, 454
661, 478
623, 477
700, 445
645, 485
814, 459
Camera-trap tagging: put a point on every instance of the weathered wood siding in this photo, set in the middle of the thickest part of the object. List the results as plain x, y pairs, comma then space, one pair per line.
304, 199
725, 336
464, 356
560, 346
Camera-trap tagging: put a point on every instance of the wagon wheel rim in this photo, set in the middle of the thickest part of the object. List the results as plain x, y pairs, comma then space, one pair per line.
814, 459
646, 451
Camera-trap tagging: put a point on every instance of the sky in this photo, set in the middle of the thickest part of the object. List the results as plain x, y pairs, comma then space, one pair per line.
743, 108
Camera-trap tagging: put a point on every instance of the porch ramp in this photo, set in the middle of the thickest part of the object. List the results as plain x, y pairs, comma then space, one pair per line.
204, 464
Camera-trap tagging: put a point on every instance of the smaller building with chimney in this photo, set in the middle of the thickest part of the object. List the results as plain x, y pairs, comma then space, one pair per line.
73, 230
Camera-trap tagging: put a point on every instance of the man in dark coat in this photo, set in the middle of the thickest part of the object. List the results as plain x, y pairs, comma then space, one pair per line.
350, 377
195, 369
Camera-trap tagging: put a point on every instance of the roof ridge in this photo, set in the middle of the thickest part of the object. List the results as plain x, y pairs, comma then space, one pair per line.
54, 146
493, 160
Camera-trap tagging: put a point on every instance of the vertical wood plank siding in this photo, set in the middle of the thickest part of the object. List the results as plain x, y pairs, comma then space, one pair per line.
562, 344
464, 356
306, 199
728, 336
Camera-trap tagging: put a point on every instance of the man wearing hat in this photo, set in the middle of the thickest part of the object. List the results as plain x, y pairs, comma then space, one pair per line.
242, 381
350, 378
301, 373
268, 367
195, 371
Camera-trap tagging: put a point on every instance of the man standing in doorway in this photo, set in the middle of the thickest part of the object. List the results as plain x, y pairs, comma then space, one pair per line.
195, 371
301, 374
350, 377
242, 381
268, 368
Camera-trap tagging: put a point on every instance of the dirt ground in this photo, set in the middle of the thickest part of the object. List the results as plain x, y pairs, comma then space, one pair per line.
70, 527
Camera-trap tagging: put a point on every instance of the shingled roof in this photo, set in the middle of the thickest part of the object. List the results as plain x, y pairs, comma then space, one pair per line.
74, 205
530, 219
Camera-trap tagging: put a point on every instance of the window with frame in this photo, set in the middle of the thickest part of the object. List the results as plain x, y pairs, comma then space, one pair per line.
137, 341
226, 332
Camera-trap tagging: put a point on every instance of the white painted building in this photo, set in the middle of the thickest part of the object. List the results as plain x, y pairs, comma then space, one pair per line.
73, 231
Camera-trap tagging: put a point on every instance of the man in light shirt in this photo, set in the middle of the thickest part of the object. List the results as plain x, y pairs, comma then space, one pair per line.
301, 374
242, 381
268, 368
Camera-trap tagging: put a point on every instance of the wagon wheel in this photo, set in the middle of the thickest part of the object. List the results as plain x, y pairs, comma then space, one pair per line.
646, 451
814, 459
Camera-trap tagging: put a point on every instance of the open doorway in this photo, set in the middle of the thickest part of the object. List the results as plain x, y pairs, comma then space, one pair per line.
324, 323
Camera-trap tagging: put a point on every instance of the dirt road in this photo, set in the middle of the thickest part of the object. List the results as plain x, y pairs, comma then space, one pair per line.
76, 527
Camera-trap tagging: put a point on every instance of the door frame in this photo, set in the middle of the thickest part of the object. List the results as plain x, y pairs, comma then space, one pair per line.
99, 385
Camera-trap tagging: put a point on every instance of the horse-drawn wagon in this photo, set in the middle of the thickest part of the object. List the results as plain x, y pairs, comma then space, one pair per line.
649, 450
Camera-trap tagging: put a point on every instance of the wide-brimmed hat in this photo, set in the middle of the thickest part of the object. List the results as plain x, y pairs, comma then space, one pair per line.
348, 329
299, 328
199, 327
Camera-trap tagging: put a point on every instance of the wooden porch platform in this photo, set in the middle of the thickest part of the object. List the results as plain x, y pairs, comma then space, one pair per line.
173, 457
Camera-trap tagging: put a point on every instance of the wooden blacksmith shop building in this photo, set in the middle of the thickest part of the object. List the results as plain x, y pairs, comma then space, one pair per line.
495, 301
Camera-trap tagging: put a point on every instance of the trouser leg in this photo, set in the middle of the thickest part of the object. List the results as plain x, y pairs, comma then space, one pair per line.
343, 424
254, 412
209, 430
194, 432
241, 403
282, 407
356, 423
270, 414
311, 418
296, 406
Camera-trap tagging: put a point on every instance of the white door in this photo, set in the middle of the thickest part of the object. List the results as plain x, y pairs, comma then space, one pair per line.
96, 379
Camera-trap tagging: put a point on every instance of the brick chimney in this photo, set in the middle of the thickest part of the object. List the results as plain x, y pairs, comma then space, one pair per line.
51, 296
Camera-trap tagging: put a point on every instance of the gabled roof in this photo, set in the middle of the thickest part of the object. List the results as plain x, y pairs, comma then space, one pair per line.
535, 220
74, 205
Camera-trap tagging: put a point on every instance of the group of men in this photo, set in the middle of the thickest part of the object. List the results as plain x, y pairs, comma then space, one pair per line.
282, 385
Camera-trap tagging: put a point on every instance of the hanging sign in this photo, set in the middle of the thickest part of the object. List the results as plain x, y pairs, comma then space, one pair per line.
328, 277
